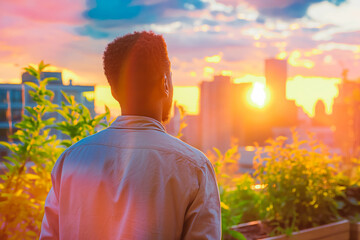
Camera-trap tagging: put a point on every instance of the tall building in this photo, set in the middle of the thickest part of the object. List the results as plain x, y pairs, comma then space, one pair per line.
276, 78
281, 111
226, 115
190, 132
346, 117
216, 113
15, 97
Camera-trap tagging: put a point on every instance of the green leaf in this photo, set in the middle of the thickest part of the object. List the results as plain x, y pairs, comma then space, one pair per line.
218, 152
8, 166
45, 81
237, 235
107, 111
66, 143
12, 160
32, 85
42, 66
6, 144
49, 121
31, 110
67, 97
32, 71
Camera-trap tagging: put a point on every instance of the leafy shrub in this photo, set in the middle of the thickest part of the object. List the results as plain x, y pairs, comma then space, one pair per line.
239, 202
300, 184
349, 201
27, 180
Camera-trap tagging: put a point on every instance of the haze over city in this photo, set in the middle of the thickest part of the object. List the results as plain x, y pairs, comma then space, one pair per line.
318, 38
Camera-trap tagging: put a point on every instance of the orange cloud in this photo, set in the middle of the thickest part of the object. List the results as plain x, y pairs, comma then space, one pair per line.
214, 58
296, 61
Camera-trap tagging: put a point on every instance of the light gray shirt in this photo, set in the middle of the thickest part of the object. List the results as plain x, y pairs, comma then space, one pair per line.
132, 181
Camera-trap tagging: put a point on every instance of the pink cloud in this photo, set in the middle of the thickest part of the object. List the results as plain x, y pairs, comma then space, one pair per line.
64, 11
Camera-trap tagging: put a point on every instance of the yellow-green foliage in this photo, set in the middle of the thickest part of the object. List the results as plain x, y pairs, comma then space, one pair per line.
26, 182
239, 203
349, 202
300, 184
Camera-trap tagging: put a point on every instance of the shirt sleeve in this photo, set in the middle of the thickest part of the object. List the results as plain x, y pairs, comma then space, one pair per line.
50, 223
203, 217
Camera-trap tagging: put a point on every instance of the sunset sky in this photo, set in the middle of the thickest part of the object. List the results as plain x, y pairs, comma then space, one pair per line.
204, 37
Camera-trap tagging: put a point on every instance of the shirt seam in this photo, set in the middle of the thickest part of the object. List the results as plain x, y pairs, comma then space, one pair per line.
138, 128
152, 148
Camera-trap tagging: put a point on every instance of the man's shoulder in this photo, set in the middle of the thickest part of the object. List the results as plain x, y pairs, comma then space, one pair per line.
89, 140
186, 152
158, 141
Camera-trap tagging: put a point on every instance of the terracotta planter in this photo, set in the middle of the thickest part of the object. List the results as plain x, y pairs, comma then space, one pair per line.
333, 231
355, 231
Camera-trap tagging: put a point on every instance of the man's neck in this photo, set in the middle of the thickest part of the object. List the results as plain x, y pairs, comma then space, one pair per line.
155, 115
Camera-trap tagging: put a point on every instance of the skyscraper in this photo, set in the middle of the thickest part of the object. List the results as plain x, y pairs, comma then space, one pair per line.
276, 77
215, 113
282, 112
226, 113
346, 118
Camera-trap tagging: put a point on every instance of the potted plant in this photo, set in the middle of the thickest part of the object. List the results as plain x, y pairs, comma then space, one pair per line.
298, 197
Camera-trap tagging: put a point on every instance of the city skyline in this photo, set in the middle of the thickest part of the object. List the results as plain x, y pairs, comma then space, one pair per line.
204, 38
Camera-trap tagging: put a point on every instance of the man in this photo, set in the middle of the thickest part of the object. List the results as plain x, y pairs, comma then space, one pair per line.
132, 180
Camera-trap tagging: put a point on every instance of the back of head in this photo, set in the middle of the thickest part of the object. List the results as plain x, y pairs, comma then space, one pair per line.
135, 65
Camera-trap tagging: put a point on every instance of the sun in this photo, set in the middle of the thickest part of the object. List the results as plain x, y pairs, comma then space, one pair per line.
258, 95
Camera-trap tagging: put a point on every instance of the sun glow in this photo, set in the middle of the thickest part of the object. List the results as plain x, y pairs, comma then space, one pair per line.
187, 96
258, 95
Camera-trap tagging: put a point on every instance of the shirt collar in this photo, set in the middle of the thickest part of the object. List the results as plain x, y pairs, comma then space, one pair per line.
137, 122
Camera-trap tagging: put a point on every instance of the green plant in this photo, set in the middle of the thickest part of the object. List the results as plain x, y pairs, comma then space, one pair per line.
182, 115
300, 184
239, 205
348, 202
27, 179
239, 202
78, 121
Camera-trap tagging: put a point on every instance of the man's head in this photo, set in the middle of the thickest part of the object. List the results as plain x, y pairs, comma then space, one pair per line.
137, 67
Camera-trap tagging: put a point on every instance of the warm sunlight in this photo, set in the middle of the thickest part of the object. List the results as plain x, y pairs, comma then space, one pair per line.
187, 96
258, 95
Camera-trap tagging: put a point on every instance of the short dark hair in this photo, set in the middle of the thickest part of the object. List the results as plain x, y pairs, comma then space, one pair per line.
140, 56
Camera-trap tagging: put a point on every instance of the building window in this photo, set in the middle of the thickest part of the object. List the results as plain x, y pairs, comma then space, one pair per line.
3, 115
15, 96
3, 95
69, 93
4, 132
16, 115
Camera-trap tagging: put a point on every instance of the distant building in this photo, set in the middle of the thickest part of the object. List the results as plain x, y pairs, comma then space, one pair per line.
225, 113
216, 114
346, 117
14, 98
190, 133
321, 118
276, 78
281, 111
